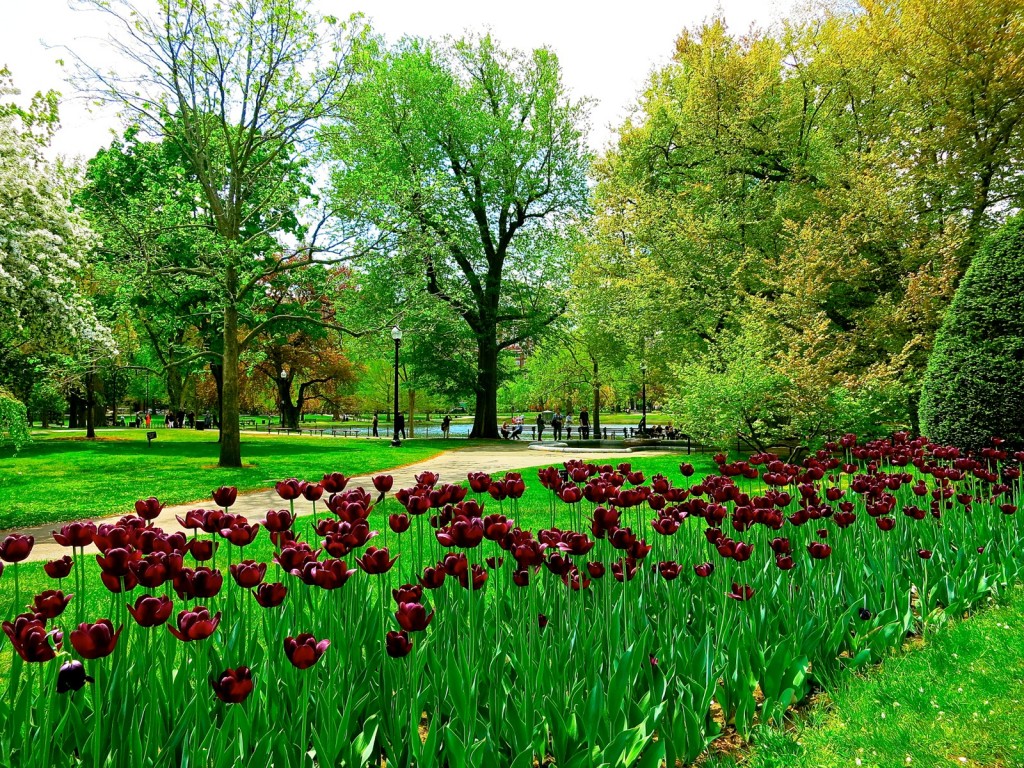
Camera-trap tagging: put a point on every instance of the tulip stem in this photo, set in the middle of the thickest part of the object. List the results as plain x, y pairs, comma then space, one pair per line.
97, 714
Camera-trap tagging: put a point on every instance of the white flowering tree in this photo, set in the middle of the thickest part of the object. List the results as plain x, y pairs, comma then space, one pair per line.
43, 240
42, 237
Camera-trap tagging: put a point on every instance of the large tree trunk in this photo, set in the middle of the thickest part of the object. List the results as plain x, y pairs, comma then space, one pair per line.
289, 411
595, 417
75, 405
485, 421
230, 434
218, 378
175, 388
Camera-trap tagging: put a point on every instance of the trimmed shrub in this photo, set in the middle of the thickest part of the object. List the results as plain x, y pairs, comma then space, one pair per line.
973, 388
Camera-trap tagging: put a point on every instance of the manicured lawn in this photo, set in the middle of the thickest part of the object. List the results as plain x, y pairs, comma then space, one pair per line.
956, 701
63, 476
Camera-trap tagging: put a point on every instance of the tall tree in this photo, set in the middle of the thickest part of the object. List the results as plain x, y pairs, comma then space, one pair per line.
44, 240
238, 88
471, 158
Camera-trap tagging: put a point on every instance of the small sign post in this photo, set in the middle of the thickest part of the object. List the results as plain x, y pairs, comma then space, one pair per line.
150, 437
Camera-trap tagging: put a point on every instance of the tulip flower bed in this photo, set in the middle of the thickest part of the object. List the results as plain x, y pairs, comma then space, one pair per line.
422, 626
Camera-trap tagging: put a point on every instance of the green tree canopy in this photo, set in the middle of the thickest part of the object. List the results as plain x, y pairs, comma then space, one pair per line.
470, 159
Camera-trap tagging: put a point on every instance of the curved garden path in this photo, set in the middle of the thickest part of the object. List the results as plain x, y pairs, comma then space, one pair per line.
452, 466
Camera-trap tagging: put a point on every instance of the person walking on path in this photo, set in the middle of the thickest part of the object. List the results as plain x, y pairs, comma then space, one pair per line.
149, 419
540, 427
556, 425
446, 424
568, 426
400, 424
375, 423
585, 424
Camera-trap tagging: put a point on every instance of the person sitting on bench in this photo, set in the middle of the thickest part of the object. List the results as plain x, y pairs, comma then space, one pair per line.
506, 433
517, 430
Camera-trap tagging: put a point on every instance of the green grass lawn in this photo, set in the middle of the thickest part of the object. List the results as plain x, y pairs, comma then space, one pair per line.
62, 476
956, 701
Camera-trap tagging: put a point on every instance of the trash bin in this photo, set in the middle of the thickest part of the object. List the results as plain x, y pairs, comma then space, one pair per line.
200, 425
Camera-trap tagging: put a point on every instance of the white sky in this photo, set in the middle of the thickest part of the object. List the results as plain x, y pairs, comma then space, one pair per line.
606, 50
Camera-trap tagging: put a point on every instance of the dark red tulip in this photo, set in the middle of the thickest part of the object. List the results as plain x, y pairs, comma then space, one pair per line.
669, 570
864, 614
383, 483
397, 644
72, 677
290, 489
202, 550
225, 496
151, 611
248, 573
521, 577
885, 523
58, 569
270, 595
686, 469
118, 561
200, 582
31, 640
75, 534
924, 554
596, 569
542, 620
312, 491
334, 482
704, 569
15, 547
399, 523
819, 550
464, 532
408, 593
233, 686
238, 531
326, 574
304, 651
433, 577
413, 617
50, 604
427, 478
740, 592
119, 584
293, 556
376, 561
475, 577
784, 562
148, 509
156, 568
278, 521
94, 641
570, 494
196, 624
479, 482
624, 569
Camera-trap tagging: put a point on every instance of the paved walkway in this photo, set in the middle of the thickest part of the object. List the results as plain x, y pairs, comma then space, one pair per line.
452, 467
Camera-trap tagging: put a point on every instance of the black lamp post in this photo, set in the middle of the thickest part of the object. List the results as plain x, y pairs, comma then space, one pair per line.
284, 378
643, 395
396, 334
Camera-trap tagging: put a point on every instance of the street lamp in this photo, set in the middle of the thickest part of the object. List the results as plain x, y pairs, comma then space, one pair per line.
396, 334
643, 395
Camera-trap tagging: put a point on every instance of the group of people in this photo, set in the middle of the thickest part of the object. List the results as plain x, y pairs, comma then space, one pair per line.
511, 429
180, 419
560, 424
